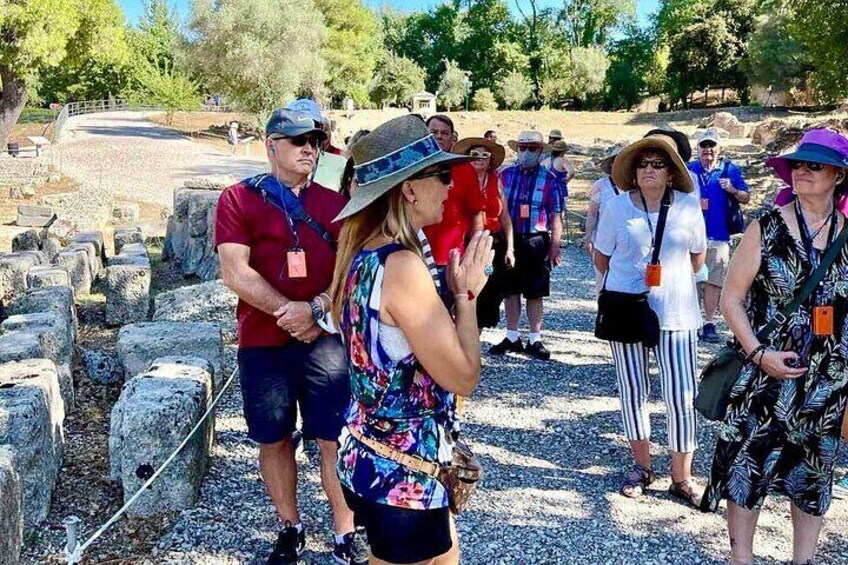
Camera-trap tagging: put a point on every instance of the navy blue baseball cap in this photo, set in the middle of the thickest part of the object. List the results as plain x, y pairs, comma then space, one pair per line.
289, 123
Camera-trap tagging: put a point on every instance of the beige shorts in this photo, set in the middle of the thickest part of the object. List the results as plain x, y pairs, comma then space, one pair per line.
718, 256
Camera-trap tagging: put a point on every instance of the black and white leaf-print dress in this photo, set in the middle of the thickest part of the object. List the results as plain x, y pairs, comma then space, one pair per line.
781, 436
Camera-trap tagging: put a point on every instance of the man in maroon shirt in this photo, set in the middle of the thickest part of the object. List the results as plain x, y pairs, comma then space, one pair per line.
276, 241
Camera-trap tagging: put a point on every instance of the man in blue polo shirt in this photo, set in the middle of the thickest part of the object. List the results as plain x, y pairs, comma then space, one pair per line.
722, 186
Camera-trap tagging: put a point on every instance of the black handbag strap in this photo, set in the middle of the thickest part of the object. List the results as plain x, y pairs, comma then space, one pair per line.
783, 315
661, 221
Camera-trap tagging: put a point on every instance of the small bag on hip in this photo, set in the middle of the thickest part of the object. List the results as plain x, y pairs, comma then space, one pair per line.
460, 478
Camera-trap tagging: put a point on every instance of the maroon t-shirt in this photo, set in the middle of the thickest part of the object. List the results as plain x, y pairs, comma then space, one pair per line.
244, 217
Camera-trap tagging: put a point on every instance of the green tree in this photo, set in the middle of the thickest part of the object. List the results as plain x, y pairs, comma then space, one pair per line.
539, 40
396, 80
514, 90
44, 34
631, 58
775, 56
258, 53
167, 88
822, 28
353, 46
452, 86
484, 101
587, 23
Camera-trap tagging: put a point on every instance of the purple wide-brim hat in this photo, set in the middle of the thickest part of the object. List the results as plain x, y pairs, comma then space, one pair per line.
817, 146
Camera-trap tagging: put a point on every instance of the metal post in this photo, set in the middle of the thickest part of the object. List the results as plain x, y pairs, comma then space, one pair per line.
71, 524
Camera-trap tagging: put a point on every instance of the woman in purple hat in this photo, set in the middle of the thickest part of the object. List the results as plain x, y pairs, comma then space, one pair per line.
783, 422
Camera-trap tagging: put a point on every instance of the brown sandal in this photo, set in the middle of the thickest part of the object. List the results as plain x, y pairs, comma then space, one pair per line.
685, 491
636, 482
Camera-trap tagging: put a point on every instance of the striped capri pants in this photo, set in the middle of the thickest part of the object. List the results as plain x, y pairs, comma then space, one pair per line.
676, 356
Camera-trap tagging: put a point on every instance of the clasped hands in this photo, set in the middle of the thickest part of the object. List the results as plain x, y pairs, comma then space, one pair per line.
296, 319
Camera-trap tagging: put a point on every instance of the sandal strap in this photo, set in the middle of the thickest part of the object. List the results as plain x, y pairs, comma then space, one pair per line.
639, 476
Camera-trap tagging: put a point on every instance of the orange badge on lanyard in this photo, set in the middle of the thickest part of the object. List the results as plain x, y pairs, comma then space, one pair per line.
823, 321
653, 275
296, 259
525, 211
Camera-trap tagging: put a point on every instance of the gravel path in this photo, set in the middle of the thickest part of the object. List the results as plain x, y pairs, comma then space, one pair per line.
551, 442
139, 160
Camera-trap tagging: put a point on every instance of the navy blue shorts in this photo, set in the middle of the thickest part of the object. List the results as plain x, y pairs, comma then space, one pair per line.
275, 381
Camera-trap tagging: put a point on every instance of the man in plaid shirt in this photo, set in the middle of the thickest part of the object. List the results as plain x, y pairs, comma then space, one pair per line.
535, 206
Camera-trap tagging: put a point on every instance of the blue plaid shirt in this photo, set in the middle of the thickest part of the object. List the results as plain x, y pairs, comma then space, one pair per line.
536, 187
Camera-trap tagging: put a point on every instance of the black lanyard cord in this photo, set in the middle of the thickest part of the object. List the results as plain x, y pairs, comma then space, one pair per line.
807, 239
656, 239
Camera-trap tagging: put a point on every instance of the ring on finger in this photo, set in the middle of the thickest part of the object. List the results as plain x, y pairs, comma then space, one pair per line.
488, 270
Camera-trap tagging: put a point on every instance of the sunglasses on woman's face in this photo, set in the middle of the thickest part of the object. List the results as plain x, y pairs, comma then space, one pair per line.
444, 176
480, 154
653, 163
816, 167
301, 140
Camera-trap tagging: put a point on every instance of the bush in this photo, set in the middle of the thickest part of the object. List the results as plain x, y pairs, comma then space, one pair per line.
484, 101
515, 89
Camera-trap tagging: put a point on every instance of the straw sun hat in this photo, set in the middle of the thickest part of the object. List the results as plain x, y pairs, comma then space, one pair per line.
624, 167
391, 154
463, 146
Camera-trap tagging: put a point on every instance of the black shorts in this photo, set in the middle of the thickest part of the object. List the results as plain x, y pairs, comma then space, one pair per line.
276, 380
399, 535
489, 301
531, 275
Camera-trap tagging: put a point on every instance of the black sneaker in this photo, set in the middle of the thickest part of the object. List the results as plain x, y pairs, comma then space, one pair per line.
507, 346
709, 334
353, 550
290, 544
538, 351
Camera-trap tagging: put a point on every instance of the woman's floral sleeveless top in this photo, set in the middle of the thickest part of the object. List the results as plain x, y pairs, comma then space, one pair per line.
394, 402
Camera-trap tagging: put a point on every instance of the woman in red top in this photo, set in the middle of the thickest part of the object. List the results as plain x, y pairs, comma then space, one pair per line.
497, 221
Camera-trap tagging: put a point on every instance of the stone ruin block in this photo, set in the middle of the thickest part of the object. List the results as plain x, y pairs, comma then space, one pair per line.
191, 233
142, 343
95, 237
156, 411
102, 367
42, 276
77, 263
50, 247
127, 294
30, 215
126, 213
11, 513
94, 264
31, 422
123, 236
55, 342
135, 260
206, 302
13, 272
136, 249
58, 299
26, 241
60, 229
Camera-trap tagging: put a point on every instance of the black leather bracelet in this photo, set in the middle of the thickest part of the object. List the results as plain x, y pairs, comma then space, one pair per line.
760, 348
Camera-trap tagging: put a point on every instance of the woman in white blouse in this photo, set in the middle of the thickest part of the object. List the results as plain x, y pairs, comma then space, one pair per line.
649, 171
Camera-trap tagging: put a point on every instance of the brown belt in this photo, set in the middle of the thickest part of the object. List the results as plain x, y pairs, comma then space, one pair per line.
411, 462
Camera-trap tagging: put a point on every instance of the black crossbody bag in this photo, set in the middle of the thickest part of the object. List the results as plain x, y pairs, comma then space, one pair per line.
720, 375
626, 317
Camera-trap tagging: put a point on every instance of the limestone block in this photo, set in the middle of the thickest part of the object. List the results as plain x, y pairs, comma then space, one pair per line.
26, 241
31, 422
11, 513
77, 263
127, 294
56, 341
155, 412
94, 263
60, 229
137, 249
123, 214
102, 367
58, 299
140, 344
727, 122
34, 216
50, 247
41, 276
13, 272
123, 259
95, 237
123, 236
206, 302
191, 236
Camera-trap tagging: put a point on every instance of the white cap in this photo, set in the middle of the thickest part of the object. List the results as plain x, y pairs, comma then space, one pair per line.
709, 135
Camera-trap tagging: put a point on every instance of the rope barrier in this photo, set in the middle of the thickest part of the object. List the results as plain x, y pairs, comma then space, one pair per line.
73, 551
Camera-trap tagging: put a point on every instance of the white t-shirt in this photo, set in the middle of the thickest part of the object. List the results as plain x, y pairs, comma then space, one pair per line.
623, 235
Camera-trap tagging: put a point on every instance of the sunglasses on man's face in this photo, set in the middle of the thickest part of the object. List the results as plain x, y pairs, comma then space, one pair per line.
444, 176
531, 148
301, 140
480, 154
707, 144
653, 163
816, 167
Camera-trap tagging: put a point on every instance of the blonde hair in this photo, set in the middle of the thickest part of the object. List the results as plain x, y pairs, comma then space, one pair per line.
387, 216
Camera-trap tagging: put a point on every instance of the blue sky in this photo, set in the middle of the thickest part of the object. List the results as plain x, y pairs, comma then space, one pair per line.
134, 7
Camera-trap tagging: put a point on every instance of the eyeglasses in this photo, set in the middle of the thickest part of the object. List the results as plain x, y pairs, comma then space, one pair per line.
444, 175
533, 148
816, 167
707, 144
657, 164
301, 140
480, 154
